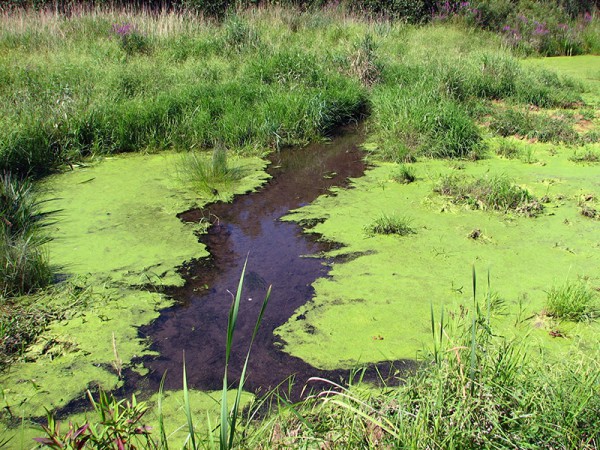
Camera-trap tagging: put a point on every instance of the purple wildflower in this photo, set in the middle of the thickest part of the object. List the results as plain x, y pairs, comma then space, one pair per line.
587, 17
541, 29
123, 29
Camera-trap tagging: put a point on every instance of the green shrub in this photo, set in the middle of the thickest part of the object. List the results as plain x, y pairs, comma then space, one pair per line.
574, 300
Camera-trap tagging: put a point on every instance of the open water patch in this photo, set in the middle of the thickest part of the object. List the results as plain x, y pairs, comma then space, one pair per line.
280, 254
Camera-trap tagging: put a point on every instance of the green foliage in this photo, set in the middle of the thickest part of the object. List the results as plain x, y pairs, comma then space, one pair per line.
496, 193
209, 175
574, 300
540, 126
119, 425
508, 150
130, 39
587, 156
404, 174
23, 262
390, 224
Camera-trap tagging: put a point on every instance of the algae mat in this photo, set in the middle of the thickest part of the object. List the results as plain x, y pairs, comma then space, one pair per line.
117, 227
385, 290
117, 220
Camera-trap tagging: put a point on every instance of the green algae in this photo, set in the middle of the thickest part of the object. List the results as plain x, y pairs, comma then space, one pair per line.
386, 286
117, 220
116, 228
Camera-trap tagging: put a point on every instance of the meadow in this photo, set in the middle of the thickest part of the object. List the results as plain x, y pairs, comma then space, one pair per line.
113, 121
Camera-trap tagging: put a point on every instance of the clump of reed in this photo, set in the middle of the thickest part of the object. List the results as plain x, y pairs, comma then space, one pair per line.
404, 174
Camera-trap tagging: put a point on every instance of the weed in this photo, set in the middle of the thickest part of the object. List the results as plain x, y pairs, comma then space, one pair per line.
130, 39
508, 150
574, 300
390, 224
364, 64
210, 175
23, 261
119, 425
496, 193
543, 127
404, 174
588, 156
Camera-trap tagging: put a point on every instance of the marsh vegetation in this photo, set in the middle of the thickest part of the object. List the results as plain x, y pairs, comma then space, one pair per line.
443, 94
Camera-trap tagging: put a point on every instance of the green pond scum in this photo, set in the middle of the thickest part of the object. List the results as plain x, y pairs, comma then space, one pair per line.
115, 228
387, 284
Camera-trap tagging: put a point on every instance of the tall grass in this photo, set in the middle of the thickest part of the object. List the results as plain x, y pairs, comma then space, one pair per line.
24, 264
260, 79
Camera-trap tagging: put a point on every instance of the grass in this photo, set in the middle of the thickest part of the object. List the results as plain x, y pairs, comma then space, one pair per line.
390, 224
404, 174
587, 156
574, 300
538, 126
508, 150
24, 263
497, 193
210, 175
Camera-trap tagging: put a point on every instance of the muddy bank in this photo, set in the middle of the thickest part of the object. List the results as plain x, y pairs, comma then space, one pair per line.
279, 254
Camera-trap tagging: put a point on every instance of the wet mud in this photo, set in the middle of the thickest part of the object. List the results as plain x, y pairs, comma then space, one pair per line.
279, 254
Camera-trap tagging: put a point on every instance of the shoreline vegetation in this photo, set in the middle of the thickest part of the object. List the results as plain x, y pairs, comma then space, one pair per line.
225, 83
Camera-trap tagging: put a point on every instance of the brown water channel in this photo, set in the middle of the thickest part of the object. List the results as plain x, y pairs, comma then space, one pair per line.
280, 254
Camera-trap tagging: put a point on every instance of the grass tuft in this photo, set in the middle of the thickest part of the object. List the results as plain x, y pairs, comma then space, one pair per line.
210, 176
574, 300
404, 174
588, 156
496, 193
24, 263
390, 224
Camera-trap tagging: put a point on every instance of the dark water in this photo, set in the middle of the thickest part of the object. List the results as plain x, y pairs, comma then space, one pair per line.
279, 254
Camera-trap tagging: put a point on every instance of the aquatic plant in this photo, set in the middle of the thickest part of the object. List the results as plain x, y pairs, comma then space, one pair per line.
210, 175
404, 174
588, 156
573, 300
390, 224
508, 150
495, 192
474, 389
